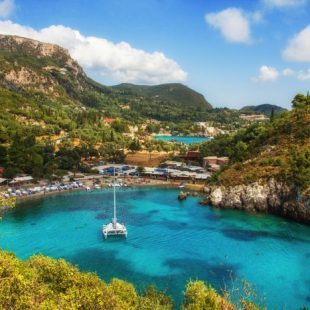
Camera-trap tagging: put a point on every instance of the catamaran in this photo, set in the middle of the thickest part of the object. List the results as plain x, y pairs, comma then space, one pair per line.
114, 228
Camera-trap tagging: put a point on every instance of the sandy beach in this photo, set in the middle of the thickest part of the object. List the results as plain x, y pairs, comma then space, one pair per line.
104, 183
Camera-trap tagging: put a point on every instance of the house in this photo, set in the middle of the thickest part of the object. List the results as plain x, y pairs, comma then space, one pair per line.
210, 160
221, 161
174, 164
191, 155
254, 117
108, 120
214, 163
2, 181
22, 180
214, 167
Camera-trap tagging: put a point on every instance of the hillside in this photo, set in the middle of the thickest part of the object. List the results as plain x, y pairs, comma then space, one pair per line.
263, 109
31, 67
35, 69
265, 150
52, 115
175, 94
272, 158
45, 283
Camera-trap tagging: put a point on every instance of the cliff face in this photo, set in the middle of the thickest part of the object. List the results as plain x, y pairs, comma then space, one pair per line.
272, 197
31, 47
32, 65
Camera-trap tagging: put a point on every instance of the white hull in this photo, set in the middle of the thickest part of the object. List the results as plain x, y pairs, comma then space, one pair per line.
114, 229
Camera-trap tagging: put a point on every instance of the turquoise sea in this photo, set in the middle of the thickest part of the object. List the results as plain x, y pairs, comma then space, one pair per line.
169, 242
183, 139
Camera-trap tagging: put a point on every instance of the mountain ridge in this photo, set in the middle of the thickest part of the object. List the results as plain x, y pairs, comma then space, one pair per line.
173, 92
33, 66
265, 108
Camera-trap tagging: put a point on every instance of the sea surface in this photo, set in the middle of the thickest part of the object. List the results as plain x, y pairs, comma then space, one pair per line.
169, 242
183, 139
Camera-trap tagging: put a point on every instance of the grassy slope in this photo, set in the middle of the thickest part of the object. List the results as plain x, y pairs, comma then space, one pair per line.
279, 149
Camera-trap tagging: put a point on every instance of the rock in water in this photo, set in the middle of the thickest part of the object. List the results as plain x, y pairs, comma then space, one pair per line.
183, 195
272, 197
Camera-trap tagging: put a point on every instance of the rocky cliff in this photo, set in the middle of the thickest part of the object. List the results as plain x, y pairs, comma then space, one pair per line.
272, 197
32, 65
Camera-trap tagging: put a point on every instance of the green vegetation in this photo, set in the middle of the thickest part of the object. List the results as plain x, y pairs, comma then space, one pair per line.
176, 94
45, 283
267, 109
279, 149
52, 116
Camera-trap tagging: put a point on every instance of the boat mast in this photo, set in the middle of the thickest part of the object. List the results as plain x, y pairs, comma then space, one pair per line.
114, 199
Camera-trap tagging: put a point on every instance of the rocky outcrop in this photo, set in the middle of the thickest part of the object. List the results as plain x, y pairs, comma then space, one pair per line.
272, 197
183, 195
23, 73
31, 47
6, 203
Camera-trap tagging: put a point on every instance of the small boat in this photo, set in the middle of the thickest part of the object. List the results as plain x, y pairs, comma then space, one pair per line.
181, 185
114, 228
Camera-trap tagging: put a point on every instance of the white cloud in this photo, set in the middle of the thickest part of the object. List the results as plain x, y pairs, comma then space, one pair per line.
233, 24
298, 48
288, 72
6, 8
303, 75
256, 17
118, 61
283, 3
267, 74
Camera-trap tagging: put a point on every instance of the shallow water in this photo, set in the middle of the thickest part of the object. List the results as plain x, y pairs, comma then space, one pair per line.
168, 242
183, 139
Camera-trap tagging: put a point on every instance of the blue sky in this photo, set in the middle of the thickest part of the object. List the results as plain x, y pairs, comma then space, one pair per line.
236, 53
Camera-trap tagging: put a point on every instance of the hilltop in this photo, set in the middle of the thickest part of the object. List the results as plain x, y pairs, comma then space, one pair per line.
174, 93
263, 109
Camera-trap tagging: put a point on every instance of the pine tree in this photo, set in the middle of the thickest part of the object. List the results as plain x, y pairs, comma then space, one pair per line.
272, 115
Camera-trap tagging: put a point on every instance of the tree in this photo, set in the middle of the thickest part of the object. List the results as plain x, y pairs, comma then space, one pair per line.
239, 152
199, 296
299, 168
135, 145
111, 151
36, 165
300, 100
140, 169
272, 115
150, 147
3, 155
68, 159
120, 126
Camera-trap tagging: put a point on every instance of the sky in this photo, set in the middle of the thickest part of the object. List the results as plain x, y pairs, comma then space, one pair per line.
234, 52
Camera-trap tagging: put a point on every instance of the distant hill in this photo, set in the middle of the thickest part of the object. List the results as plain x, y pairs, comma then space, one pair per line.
174, 93
264, 109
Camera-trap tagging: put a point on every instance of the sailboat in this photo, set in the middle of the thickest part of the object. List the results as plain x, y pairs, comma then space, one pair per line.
114, 228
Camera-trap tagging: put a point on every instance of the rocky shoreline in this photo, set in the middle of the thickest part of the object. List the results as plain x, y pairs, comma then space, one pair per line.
269, 197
